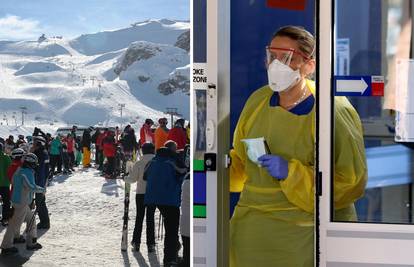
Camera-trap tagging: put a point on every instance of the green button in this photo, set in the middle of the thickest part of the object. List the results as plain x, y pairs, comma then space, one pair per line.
199, 211
198, 165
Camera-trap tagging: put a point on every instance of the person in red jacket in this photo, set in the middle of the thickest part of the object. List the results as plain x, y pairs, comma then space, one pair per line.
109, 150
146, 134
16, 155
70, 142
178, 134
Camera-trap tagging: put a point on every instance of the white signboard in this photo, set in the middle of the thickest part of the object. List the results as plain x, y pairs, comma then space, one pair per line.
342, 56
404, 101
200, 76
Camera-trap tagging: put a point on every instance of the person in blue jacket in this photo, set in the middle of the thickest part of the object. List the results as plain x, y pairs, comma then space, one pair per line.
163, 190
41, 175
23, 188
55, 155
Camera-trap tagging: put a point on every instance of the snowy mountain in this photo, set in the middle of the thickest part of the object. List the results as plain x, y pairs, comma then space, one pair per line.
86, 80
155, 31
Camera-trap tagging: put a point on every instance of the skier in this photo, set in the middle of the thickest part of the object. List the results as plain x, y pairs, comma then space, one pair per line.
178, 134
55, 157
41, 173
188, 132
146, 134
178, 156
78, 153
9, 145
65, 158
94, 138
5, 162
16, 155
86, 147
129, 141
99, 149
73, 131
161, 133
163, 190
109, 150
70, 142
20, 141
24, 187
136, 175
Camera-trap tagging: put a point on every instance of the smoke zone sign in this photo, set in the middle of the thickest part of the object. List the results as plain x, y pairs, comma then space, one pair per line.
199, 76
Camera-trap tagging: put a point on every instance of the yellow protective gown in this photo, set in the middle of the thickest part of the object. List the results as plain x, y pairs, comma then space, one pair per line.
272, 224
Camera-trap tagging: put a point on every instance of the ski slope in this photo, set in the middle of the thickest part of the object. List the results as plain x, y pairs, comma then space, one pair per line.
85, 81
86, 226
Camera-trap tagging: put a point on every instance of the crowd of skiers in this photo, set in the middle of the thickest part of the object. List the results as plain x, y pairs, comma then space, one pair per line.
160, 169
162, 177
24, 170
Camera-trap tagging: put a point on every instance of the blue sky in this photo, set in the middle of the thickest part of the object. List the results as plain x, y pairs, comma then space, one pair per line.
27, 19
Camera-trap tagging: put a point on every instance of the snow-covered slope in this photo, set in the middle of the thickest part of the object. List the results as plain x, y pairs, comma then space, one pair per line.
35, 67
85, 80
156, 31
32, 48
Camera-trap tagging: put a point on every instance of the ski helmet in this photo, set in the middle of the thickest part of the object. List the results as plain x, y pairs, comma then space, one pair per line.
30, 160
40, 139
25, 147
17, 153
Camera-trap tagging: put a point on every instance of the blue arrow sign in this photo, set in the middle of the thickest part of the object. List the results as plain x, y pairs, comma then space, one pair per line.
352, 85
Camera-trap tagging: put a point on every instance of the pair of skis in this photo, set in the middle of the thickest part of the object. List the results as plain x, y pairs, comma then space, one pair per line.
124, 241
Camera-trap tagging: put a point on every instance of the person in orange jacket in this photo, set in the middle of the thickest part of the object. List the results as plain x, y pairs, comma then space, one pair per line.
161, 133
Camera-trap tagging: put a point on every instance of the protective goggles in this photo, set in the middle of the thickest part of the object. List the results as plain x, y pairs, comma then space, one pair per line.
284, 55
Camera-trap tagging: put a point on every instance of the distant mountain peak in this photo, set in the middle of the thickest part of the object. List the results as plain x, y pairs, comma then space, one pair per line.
140, 50
159, 21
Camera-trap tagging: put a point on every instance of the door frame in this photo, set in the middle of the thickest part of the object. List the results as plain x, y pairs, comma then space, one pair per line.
218, 121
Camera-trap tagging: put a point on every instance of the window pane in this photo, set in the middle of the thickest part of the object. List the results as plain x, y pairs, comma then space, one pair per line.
365, 58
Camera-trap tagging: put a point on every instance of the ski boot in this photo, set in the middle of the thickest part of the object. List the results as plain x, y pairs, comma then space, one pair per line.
19, 240
9, 251
135, 245
34, 246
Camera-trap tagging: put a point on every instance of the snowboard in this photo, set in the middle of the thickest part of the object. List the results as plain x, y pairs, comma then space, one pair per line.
124, 241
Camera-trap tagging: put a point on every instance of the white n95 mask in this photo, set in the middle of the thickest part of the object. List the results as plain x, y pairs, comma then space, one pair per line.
255, 148
281, 76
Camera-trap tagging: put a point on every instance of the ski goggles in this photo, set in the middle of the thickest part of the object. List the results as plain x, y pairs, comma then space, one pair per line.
284, 55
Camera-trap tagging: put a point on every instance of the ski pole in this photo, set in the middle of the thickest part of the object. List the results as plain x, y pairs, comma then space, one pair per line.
159, 223
33, 218
162, 227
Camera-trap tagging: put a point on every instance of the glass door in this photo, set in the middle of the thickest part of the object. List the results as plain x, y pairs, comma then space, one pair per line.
365, 134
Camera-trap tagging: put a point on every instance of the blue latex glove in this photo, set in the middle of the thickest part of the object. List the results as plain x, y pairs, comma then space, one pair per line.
276, 166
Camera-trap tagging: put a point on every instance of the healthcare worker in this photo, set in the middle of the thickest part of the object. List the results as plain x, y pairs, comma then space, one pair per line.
273, 222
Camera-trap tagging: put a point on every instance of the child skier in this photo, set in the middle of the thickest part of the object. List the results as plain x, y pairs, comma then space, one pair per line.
23, 188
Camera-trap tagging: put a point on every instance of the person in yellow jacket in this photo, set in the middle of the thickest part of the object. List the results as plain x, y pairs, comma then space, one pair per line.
273, 222
161, 133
